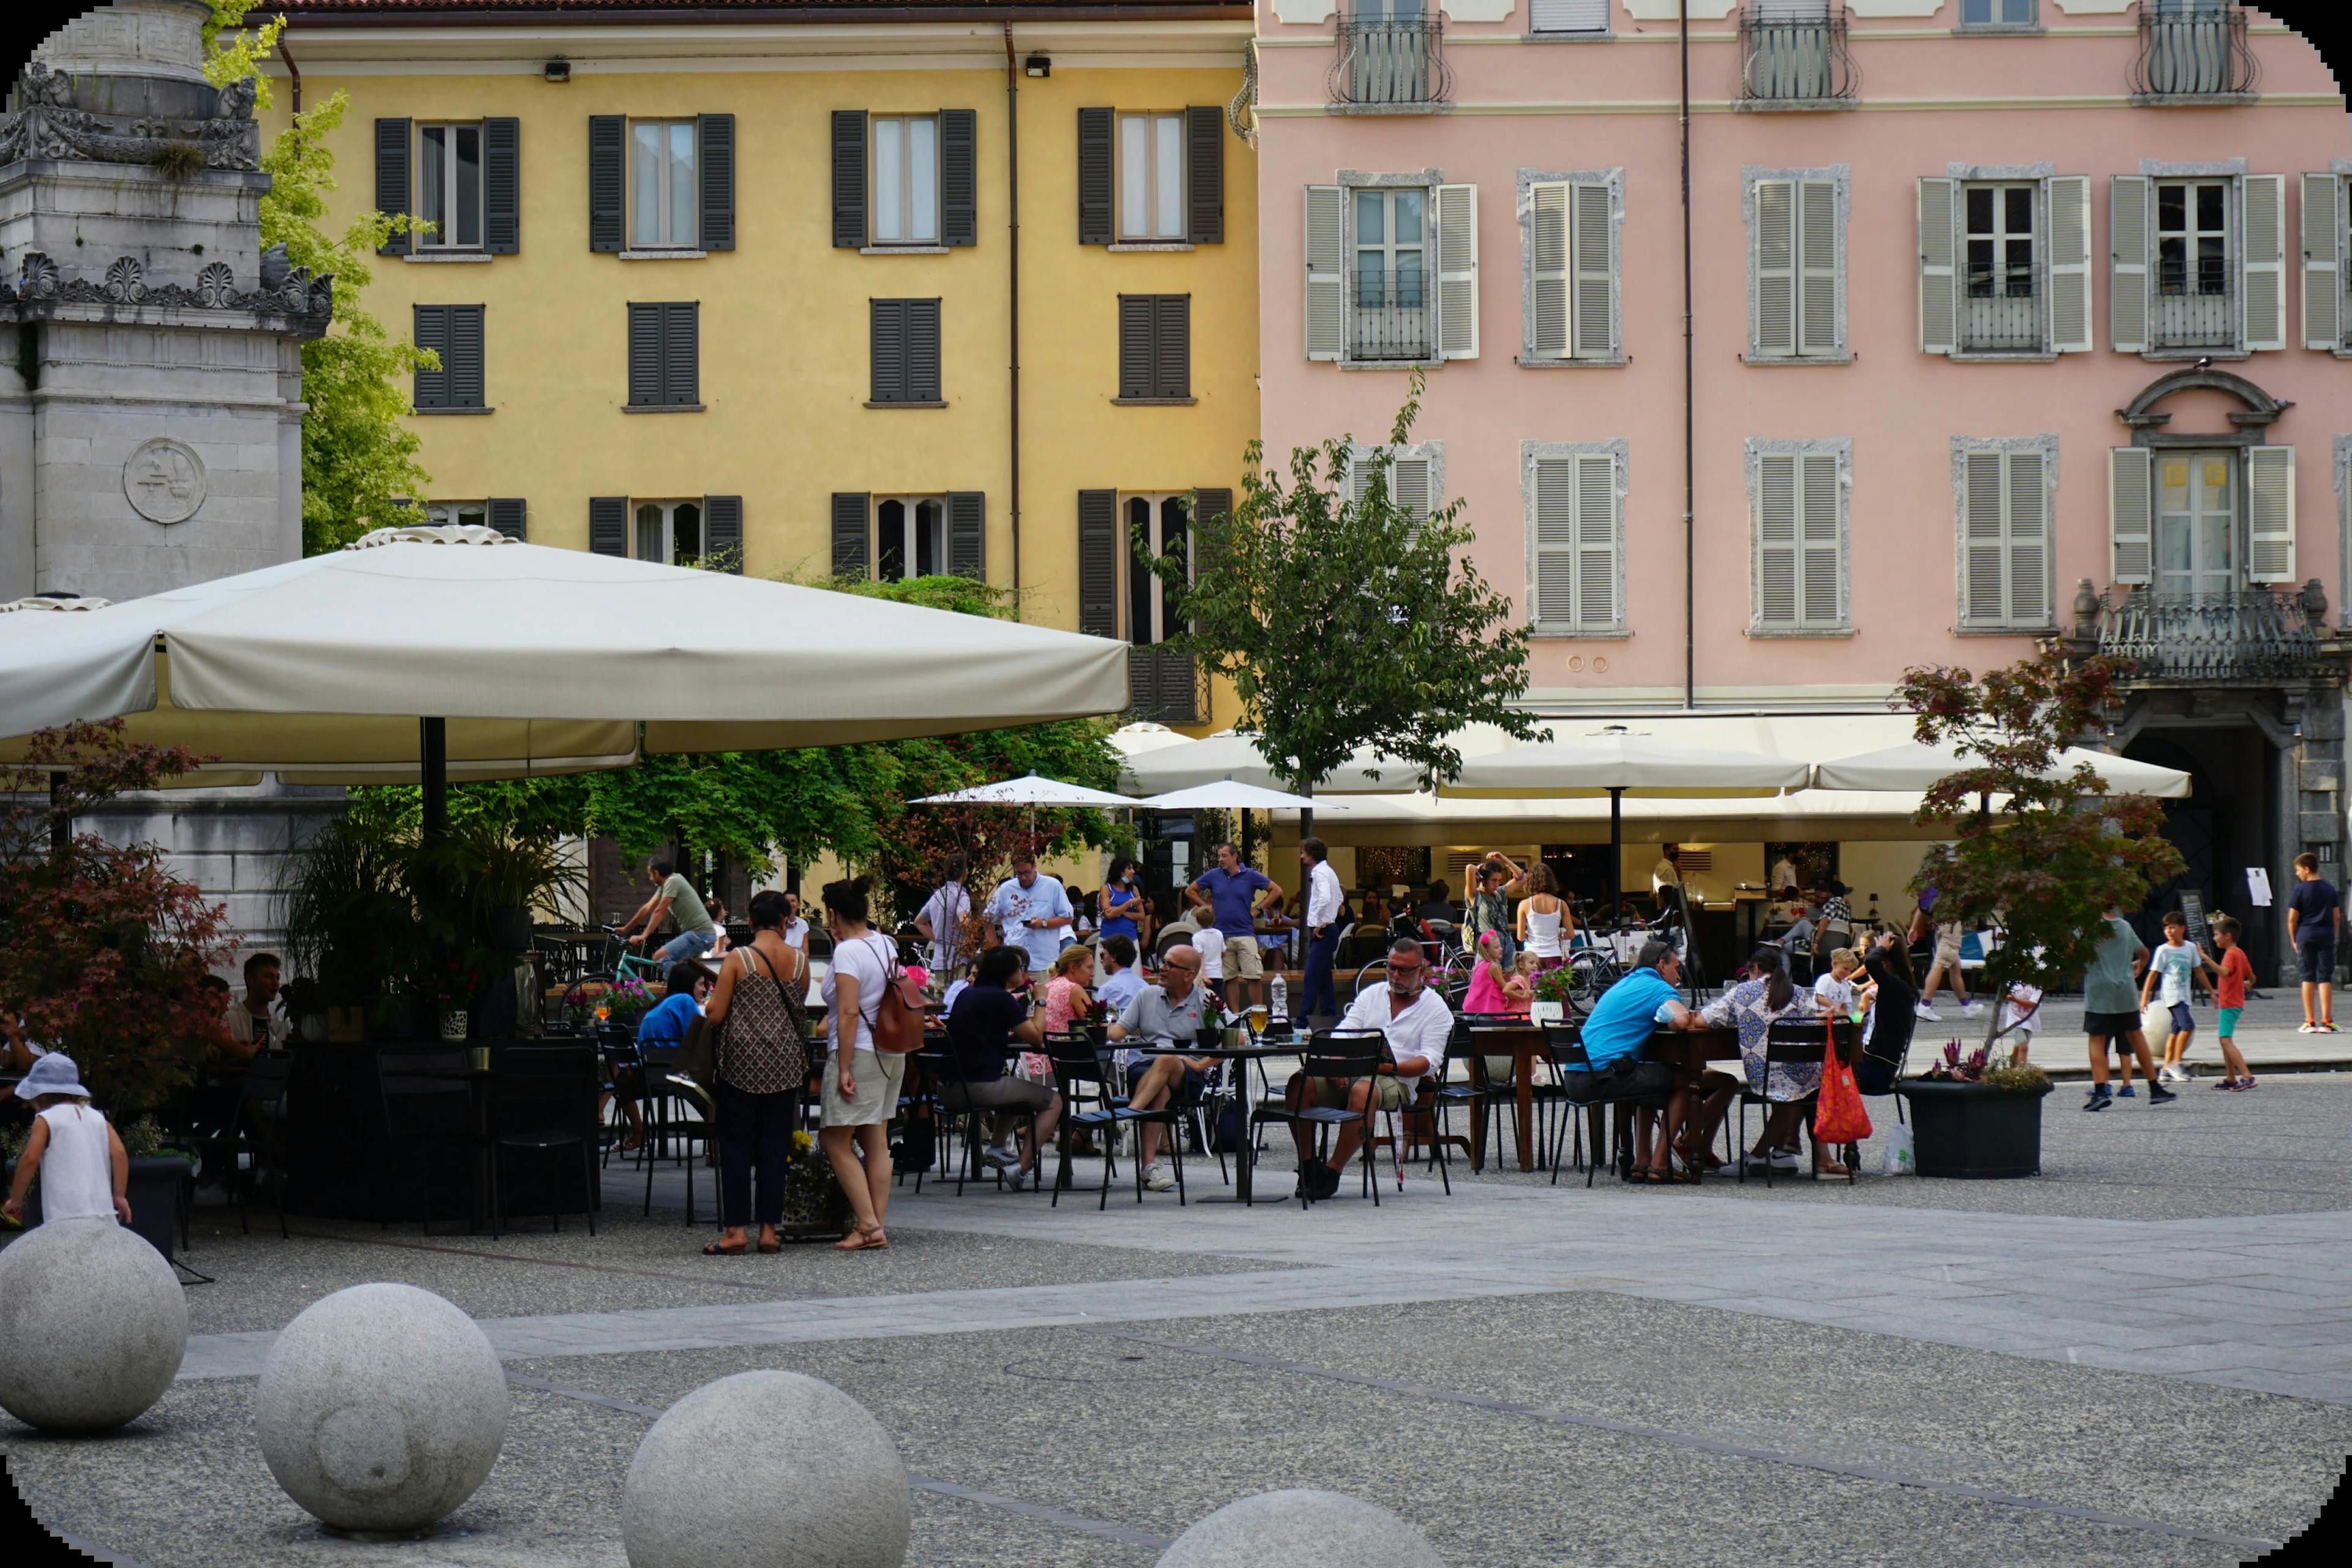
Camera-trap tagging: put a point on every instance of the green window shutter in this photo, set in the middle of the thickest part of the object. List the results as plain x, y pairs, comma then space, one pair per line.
722, 531
887, 331
923, 351
715, 147
1984, 576
391, 178
1095, 184
607, 139
1135, 356
849, 178
431, 331
510, 515
2029, 540
681, 374
1098, 552
1212, 501
608, 525
1172, 350
502, 186
959, 177
1205, 174
968, 534
2322, 231
1775, 267
461, 362
1939, 266
849, 555
644, 355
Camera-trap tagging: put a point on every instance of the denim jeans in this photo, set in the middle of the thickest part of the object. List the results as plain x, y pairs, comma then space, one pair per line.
753, 1129
685, 945
1321, 993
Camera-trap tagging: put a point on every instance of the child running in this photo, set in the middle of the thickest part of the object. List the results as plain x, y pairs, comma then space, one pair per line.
2020, 1011
2230, 977
2172, 972
83, 1168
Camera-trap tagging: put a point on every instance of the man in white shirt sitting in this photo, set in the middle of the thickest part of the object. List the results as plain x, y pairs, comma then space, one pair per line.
257, 1021
1415, 1024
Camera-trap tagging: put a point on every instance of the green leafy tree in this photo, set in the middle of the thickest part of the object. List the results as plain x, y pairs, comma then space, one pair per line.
359, 460
2041, 851
1343, 622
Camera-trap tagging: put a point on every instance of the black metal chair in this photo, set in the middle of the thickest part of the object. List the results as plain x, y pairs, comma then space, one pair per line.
256, 1144
1791, 1041
427, 1125
956, 1113
543, 1103
1564, 1044
1080, 1073
670, 1135
1348, 1059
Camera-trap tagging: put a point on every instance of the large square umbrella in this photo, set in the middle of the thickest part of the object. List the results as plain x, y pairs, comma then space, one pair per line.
1917, 767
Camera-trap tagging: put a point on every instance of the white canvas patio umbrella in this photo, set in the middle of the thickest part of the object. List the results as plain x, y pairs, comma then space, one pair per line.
457, 652
1917, 767
1233, 754
1029, 789
1235, 795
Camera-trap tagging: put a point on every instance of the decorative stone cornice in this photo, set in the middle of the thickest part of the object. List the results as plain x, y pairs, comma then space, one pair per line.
285, 291
53, 124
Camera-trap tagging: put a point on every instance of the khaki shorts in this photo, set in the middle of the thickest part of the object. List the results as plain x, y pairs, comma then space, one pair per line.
1388, 1092
1948, 945
1241, 960
878, 1076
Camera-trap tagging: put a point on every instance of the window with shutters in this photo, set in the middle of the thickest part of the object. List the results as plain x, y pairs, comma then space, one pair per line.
2198, 259
2193, 287
2005, 492
1569, 257
1392, 271
1155, 348
1152, 189
904, 197
2004, 262
909, 537
1796, 233
1161, 524
1416, 474
665, 189
454, 333
1578, 18
457, 513
449, 186
1798, 493
667, 532
1575, 498
1997, 16
905, 346
1390, 286
2001, 267
664, 356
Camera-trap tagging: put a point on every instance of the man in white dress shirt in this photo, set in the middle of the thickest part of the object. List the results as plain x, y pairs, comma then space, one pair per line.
1415, 1024
1322, 922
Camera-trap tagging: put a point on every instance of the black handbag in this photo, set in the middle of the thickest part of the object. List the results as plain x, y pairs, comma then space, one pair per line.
697, 1055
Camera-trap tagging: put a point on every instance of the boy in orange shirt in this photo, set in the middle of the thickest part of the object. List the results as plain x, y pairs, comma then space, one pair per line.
2229, 979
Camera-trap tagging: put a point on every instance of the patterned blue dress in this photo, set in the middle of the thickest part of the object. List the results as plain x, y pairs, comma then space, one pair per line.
1743, 1007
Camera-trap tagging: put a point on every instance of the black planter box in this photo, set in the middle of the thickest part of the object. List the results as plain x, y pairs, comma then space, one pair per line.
1975, 1131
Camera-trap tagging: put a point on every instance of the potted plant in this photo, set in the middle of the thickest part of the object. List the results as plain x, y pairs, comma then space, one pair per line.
2043, 851
351, 926
1976, 1119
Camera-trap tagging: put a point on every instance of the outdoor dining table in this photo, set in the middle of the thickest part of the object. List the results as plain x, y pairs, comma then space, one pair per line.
1244, 1135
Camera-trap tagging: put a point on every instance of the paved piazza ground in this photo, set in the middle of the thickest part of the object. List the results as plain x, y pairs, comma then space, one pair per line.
2144, 1356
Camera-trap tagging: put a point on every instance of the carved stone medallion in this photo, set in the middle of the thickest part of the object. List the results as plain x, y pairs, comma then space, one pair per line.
165, 480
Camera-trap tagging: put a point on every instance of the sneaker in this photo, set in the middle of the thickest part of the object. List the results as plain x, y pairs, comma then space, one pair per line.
1784, 1159
2225, 1083
1159, 1179
1922, 1010
2246, 1082
1971, 1009
2159, 1095
999, 1156
2099, 1100
2308, 1028
2128, 1092
1326, 1181
1015, 1178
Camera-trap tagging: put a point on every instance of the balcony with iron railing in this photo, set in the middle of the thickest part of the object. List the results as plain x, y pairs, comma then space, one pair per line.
1390, 315
2258, 635
1391, 65
2193, 307
1794, 55
2003, 314
2192, 51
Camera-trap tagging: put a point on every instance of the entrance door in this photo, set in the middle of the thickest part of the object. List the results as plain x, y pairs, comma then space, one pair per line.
2196, 526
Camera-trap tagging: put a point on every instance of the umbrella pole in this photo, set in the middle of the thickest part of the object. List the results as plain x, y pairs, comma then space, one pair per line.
433, 768
1616, 851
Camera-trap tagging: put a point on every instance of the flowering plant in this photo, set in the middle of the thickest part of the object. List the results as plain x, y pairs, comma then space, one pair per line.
628, 1000
453, 982
1976, 1067
1555, 984
580, 1005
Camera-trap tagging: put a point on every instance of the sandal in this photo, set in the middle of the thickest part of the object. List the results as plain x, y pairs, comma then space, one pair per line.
772, 1245
863, 1241
721, 1249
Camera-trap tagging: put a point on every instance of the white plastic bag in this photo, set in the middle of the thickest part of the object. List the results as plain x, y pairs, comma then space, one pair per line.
1899, 1157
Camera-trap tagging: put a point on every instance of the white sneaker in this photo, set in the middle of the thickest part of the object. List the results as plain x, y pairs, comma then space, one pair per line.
1971, 1009
1015, 1178
2308, 1029
1924, 1011
1784, 1159
1159, 1179
1001, 1156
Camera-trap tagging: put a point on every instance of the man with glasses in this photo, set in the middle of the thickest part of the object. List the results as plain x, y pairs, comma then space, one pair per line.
1168, 1014
1415, 1023
1613, 1036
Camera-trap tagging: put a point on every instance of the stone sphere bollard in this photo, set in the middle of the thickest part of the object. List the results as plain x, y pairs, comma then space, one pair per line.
92, 1325
1302, 1528
380, 1408
766, 1469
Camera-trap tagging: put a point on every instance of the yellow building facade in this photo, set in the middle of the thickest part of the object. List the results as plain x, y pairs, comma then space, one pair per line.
714, 280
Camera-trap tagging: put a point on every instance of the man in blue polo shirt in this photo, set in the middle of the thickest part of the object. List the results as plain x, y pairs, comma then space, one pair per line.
1613, 1034
1235, 893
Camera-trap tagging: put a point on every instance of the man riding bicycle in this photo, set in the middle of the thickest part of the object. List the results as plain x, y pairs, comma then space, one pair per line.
673, 894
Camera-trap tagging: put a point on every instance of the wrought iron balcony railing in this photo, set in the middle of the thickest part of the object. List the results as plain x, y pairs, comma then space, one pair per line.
2193, 49
1391, 62
1166, 687
2255, 634
1390, 315
1795, 53
2193, 308
2003, 314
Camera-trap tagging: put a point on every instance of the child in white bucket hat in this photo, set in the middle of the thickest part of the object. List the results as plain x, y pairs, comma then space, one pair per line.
83, 1168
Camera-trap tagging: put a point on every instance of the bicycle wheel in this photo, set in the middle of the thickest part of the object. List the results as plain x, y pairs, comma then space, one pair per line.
1589, 974
1374, 974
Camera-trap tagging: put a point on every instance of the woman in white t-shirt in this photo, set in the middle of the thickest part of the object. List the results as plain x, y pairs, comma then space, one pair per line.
861, 1085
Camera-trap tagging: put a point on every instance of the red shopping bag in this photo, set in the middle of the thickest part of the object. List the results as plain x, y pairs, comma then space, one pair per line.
1839, 1117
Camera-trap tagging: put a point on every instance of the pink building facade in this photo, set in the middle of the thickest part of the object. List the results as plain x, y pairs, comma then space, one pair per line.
2011, 319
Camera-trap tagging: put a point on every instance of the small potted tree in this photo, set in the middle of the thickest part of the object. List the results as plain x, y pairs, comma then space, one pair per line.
2040, 850
102, 950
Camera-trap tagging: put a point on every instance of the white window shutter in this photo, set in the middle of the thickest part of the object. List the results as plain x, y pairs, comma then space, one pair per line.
1817, 282
2127, 267
1549, 267
1825, 575
2323, 266
2270, 514
1596, 276
1775, 267
2029, 540
1596, 541
1938, 274
2265, 291
1409, 485
1776, 541
2068, 201
1568, 15
1984, 598
1327, 274
1457, 271
2131, 511
1554, 549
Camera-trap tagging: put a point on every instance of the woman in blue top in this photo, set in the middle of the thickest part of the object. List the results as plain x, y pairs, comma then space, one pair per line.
1120, 901
666, 1023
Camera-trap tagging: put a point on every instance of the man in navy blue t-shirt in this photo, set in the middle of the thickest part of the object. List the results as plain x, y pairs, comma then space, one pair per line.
1235, 893
2315, 918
